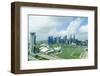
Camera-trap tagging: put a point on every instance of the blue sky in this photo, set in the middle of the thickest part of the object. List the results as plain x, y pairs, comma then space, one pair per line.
65, 21
45, 26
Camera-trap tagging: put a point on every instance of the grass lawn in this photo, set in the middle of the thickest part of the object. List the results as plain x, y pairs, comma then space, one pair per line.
70, 52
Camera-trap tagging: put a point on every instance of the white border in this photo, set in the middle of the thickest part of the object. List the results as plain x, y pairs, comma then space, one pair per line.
24, 64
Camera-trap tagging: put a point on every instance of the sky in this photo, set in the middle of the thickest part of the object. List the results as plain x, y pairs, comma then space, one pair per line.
45, 26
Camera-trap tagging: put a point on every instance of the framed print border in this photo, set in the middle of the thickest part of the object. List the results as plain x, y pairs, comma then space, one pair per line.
15, 36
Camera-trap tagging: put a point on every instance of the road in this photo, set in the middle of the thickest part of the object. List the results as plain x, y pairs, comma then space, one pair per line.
48, 56
84, 55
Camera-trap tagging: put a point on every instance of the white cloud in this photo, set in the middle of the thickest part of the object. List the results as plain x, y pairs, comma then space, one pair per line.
38, 22
83, 28
42, 25
71, 29
45, 26
74, 25
83, 33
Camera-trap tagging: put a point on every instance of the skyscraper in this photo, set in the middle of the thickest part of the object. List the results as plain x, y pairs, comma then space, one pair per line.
57, 39
73, 38
50, 40
65, 39
70, 39
32, 41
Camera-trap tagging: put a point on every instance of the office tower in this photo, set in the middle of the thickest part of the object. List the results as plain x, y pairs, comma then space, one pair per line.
50, 40
73, 38
57, 39
70, 39
32, 42
65, 39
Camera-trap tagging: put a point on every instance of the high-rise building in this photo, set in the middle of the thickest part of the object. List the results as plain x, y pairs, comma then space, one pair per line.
65, 39
73, 38
50, 40
62, 40
70, 39
57, 39
32, 41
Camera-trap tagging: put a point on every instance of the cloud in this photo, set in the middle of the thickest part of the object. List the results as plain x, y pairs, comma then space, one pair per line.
71, 29
83, 28
45, 26
82, 36
75, 27
42, 25
38, 22
82, 33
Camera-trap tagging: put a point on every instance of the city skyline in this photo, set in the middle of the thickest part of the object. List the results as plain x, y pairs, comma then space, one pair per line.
45, 26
